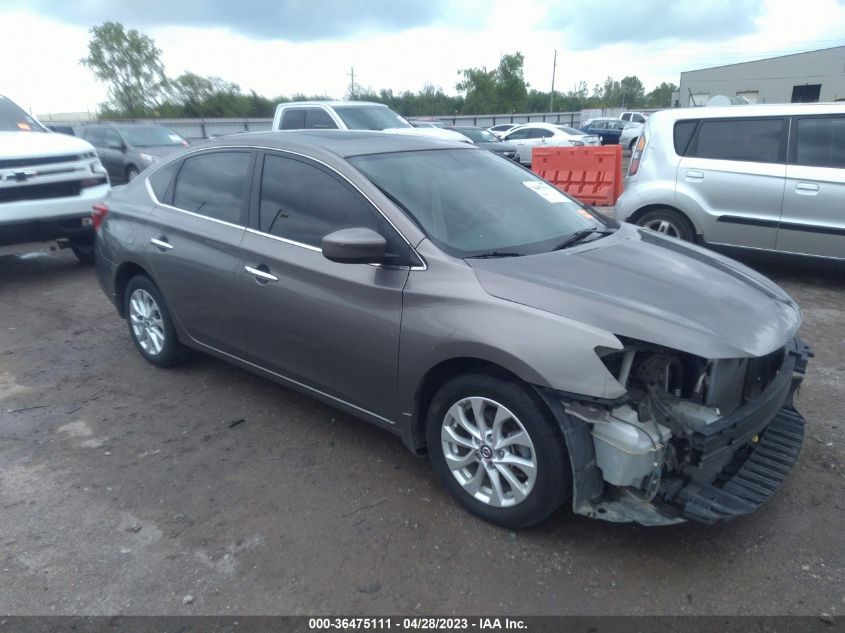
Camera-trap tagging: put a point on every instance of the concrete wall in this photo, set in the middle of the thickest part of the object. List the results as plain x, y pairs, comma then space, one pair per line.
768, 80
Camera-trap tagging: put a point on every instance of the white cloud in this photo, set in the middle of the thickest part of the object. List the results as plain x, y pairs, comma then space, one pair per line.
46, 76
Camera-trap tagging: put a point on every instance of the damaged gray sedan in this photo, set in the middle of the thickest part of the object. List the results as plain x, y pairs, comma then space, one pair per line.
539, 353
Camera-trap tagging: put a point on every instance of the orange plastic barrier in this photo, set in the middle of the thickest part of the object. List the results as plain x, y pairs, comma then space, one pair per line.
593, 175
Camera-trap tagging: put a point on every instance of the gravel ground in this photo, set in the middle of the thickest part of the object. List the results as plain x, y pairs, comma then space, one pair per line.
129, 489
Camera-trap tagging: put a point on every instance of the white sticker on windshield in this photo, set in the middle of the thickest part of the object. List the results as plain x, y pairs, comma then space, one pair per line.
175, 138
545, 190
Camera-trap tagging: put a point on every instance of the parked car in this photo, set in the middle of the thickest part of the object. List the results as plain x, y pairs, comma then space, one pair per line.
527, 137
126, 149
48, 183
633, 117
630, 134
486, 140
761, 177
608, 130
502, 128
469, 307
62, 129
351, 115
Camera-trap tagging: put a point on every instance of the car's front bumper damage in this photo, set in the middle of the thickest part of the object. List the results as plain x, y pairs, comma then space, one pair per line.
731, 465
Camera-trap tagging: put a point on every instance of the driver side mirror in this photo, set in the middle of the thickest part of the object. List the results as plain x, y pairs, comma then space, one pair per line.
354, 246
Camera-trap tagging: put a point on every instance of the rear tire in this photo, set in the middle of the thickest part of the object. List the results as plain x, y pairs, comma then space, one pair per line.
150, 325
84, 250
669, 222
131, 173
633, 143
513, 471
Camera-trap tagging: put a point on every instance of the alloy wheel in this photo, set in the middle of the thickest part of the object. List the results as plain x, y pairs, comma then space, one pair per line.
663, 226
147, 323
489, 452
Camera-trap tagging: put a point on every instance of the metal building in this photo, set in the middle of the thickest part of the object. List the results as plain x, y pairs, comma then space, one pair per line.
798, 78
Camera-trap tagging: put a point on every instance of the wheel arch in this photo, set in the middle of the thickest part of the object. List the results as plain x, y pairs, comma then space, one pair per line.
124, 273
636, 215
439, 375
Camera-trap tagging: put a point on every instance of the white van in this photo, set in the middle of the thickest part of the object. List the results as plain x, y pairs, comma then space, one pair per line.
764, 177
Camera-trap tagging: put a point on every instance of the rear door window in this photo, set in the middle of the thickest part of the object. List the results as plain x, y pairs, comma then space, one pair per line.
293, 119
820, 142
318, 119
747, 140
215, 185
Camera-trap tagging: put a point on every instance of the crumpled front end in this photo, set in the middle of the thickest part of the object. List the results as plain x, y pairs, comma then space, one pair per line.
699, 439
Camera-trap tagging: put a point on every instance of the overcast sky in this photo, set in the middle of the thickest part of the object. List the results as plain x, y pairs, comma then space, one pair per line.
288, 46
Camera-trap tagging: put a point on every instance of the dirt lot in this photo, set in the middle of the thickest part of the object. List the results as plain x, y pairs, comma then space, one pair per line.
125, 488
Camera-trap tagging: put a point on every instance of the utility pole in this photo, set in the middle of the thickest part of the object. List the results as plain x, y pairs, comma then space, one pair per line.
552, 99
351, 75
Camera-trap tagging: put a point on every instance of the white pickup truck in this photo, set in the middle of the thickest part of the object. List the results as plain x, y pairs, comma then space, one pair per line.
352, 115
48, 185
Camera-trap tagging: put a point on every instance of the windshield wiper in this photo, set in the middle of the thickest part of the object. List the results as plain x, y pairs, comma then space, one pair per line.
580, 236
492, 254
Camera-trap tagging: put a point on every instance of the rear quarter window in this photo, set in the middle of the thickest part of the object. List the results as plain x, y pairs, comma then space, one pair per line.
293, 119
682, 136
160, 181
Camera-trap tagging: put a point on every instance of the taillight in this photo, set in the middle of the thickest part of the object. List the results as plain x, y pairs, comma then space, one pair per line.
637, 154
98, 214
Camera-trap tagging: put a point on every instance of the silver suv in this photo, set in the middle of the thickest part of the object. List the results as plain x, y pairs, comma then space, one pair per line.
764, 177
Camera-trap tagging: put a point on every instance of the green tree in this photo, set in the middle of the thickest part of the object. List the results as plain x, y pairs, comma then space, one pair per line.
130, 64
511, 89
661, 96
500, 90
633, 92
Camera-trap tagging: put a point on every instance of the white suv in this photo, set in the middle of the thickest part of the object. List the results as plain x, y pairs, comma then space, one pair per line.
761, 177
352, 115
48, 185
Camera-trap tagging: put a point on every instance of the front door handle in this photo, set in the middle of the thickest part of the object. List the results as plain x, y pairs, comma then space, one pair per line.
262, 274
161, 244
694, 174
806, 188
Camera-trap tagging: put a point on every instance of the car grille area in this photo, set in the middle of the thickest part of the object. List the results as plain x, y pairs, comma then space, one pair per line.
45, 191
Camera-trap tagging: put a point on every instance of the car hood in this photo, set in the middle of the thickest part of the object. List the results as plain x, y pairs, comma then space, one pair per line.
39, 144
497, 146
434, 132
159, 151
642, 285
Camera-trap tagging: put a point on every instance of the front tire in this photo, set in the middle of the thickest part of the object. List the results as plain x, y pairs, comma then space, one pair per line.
131, 173
669, 222
497, 450
150, 324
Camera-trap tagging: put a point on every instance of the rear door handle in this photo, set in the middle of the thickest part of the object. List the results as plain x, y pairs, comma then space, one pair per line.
161, 244
262, 274
694, 174
806, 188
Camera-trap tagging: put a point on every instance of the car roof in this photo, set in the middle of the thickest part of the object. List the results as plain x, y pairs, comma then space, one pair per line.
343, 143
751, 110
330, 103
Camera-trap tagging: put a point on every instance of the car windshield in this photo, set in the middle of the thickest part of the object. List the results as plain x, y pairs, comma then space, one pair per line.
473, 203
14, 119
570, 130
477, 135
370, 117
151, 136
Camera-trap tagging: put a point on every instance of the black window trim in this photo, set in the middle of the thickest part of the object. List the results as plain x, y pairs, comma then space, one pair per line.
692, 146
792, 152
184, 158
